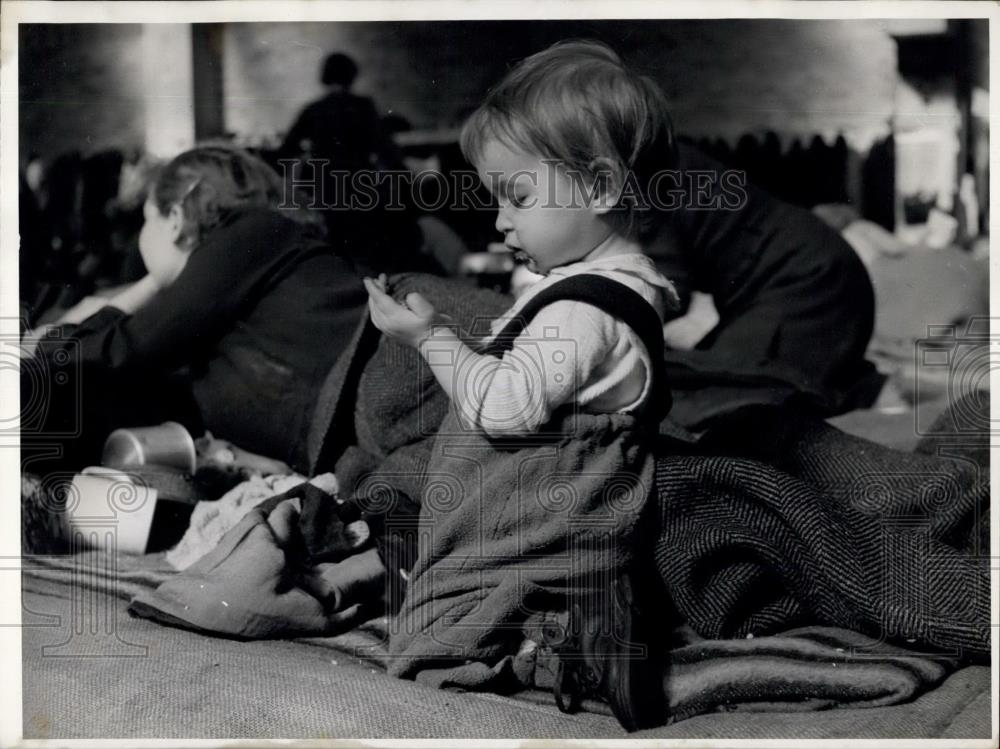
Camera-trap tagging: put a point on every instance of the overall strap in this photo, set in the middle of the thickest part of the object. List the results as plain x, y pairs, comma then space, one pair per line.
617, 300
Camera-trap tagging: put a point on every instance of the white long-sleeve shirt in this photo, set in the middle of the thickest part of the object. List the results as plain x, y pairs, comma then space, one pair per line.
571, 352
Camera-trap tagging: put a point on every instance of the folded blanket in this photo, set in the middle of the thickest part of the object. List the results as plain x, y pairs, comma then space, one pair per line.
810, 668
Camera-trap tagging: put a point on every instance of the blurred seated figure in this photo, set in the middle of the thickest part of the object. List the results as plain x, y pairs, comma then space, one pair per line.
241, 313
126, 215
36, 244
342, 126
76, 231
432, 199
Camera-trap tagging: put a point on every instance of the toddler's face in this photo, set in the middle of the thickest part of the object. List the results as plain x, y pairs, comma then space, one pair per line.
544, 215
159, 244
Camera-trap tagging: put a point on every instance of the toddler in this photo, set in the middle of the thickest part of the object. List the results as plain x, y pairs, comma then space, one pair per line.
567, 143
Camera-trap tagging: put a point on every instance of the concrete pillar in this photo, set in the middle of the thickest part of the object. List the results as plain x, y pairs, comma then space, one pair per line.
168, 84
207, 41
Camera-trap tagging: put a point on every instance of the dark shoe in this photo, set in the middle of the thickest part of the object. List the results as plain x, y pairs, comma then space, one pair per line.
605, 651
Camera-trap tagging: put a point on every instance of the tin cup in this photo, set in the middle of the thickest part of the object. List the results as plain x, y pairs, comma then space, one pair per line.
168, 444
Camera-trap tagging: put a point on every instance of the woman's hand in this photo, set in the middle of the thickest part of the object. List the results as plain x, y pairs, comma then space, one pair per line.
410, 323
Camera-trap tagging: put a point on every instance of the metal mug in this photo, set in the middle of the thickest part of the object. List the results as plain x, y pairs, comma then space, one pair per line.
168, 444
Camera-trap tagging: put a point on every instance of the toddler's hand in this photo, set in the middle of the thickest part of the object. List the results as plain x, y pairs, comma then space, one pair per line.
409, 323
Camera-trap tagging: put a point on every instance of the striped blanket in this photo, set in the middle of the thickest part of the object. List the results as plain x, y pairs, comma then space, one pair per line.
803, 669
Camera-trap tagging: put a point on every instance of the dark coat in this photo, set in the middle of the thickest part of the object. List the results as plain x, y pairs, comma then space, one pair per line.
795, 303
249, 330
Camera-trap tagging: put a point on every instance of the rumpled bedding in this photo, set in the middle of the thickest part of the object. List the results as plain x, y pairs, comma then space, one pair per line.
216, 686
831, 530
252, 587
265, 578
822, 530
210, 521
887, 543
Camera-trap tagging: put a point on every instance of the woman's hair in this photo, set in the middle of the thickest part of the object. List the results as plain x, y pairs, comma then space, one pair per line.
209, 182
579, 105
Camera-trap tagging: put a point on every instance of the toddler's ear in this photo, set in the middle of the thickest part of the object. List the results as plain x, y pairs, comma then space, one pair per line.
607, 181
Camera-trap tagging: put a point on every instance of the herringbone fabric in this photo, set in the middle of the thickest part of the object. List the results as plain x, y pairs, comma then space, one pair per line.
833, 529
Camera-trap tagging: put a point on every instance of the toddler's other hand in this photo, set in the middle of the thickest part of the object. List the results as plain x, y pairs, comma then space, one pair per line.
409, 323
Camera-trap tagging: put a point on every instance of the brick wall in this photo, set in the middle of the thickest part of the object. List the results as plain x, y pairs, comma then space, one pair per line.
723, 78
80, 87
82, 84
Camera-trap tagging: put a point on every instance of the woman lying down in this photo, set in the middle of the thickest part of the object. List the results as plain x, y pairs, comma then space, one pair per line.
543, 517
242, 313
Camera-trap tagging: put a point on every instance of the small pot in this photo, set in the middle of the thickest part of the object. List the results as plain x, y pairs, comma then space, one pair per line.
168, 444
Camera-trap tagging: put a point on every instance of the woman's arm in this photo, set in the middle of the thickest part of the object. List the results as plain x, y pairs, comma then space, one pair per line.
136, 296
145, 328
129, 299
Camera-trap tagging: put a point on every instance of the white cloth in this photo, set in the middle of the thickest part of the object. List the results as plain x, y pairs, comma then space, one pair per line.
571, 352
210, 521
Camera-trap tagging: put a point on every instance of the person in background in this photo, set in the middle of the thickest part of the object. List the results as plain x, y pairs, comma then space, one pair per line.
795, 306
242, 312
342, 126
343, 149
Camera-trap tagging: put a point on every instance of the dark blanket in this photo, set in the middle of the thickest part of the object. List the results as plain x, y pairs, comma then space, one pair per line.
835, 529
